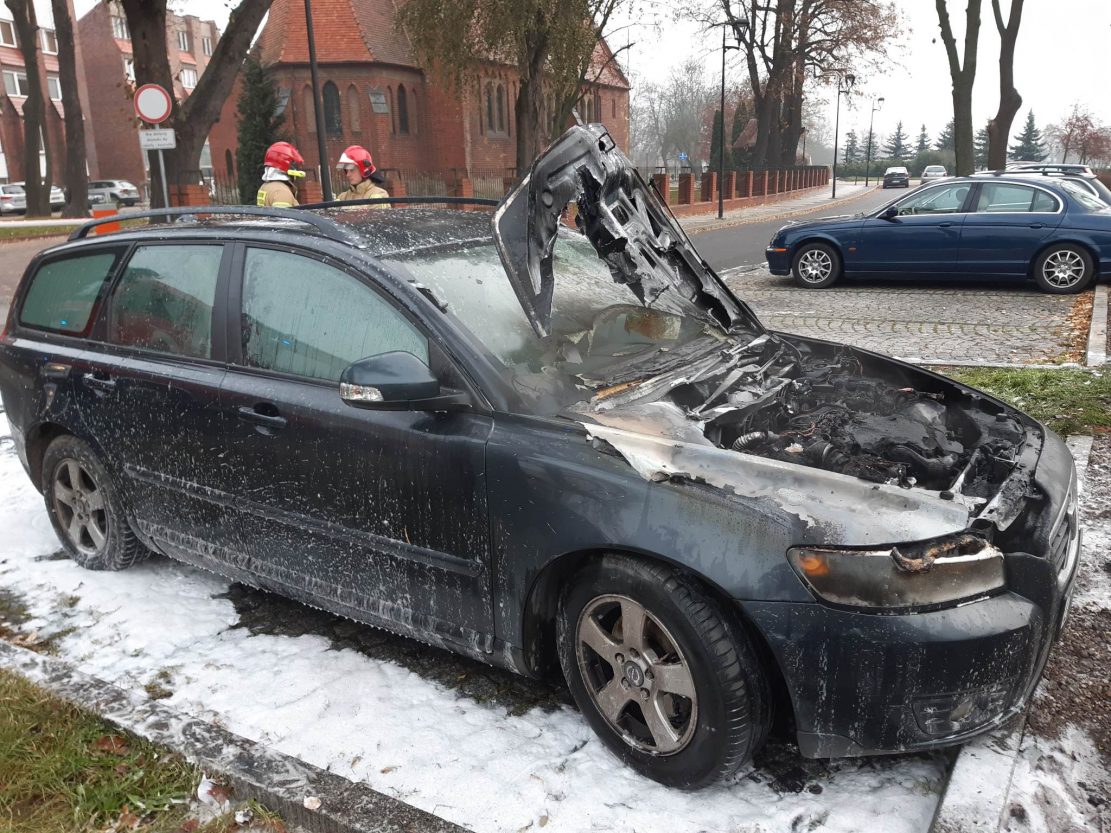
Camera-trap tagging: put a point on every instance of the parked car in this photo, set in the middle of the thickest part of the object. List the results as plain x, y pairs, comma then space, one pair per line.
57, 196
544, 450
896, 177
1080, 174
119, 191
13, 199
1050, 230
934, 172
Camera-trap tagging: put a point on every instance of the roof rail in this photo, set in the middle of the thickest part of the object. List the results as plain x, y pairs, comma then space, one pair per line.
325, 225
403, 201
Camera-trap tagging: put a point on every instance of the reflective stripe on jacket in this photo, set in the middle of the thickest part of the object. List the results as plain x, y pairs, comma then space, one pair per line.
276, 194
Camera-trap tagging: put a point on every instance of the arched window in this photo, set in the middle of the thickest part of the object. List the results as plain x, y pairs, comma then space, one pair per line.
613, 108
490, 125
393, 123
597, 107
333, 121
402, 110
501, 108
353, 109
588, 107
414, 121
308, 108
229, 163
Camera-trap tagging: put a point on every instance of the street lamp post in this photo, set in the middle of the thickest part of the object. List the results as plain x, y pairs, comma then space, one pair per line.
868, 154
844, 85
325, 177
740, 27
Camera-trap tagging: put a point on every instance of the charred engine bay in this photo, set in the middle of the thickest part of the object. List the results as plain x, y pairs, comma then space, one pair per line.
828, 410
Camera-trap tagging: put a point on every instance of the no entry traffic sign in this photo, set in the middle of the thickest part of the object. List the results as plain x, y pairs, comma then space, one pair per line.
153, 104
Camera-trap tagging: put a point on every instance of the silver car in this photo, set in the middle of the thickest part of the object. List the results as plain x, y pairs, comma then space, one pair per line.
119, 191
57, 196
13, 199
934, 172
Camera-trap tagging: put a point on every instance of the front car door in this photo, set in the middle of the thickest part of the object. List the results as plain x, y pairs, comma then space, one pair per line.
380, 515
1007, 226
922, 238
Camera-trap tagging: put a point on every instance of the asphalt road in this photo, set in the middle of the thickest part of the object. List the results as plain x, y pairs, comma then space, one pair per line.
744, 245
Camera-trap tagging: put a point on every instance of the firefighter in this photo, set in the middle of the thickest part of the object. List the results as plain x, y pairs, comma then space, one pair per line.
362, 176
282, 169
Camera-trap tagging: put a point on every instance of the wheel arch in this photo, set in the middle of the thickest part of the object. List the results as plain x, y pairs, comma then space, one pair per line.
542, 606
819, 238
38, 438
1079, 242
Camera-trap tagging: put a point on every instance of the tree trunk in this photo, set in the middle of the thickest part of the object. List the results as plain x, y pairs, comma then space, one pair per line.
530, 93
193, 118
963, 79
34, 110
76, 177
999, 128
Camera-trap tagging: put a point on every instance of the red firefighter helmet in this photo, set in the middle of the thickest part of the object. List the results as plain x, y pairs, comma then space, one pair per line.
358, 156
284, 157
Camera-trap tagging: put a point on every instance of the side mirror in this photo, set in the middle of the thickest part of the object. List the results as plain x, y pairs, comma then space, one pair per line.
397, 381
889, 213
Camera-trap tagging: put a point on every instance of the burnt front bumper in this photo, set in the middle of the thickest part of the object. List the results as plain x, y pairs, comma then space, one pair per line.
863, 683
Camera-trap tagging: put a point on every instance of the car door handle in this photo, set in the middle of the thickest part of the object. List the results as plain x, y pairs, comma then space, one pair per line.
944, 225
256, 417
1037, 225
100, 382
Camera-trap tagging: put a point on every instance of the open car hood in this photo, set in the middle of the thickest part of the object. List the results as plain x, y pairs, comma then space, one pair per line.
622, 217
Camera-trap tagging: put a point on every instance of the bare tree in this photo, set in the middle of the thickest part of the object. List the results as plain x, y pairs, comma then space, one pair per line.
76, 176
34, 110
193, 118
686, 98
999, 128
963, 76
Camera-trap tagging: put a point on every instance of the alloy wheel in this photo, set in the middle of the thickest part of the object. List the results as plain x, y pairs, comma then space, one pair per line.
1063, 269
636, 675
815, 266
79, 505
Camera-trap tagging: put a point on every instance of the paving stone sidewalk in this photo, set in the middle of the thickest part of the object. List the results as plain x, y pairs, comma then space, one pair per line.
943, 322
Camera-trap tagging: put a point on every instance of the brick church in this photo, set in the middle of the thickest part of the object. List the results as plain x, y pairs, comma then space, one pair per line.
376, 94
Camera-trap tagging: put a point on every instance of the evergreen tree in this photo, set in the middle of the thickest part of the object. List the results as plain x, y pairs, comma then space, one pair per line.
923, 141
259, 126
852, 148
980, 148
1028, 146
742, 158
945, 140
897, 147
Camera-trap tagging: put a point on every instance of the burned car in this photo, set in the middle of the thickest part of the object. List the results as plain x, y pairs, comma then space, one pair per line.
552, 450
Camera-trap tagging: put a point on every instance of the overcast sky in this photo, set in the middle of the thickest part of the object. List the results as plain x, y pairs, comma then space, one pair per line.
1062, 58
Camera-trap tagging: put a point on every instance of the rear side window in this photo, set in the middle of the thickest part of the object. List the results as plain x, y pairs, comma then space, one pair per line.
310, 319
164, 300
63, 292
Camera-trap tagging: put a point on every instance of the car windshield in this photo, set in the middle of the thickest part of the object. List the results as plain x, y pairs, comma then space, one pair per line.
1083, 196
597, 324
935, 169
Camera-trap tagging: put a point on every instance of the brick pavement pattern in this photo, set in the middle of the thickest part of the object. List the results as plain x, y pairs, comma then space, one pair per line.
990, 323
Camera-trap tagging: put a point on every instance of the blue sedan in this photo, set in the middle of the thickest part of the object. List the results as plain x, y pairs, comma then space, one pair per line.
1054, 232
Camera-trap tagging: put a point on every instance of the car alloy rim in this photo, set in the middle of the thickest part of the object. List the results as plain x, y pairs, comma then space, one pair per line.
636, 675
79, 506
1063, 269
815, 266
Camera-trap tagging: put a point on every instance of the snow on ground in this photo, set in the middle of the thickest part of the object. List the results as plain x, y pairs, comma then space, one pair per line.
375, 721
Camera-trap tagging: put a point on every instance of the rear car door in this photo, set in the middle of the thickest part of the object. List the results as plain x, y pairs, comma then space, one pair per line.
1007, 226
148, 385
380, 513
923, 238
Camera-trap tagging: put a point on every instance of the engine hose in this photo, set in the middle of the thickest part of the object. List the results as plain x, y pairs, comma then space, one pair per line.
745, 440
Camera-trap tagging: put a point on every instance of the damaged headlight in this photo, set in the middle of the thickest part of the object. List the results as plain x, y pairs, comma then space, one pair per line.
939, 571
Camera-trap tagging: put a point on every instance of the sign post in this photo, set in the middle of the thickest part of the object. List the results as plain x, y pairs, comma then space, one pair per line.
154, 105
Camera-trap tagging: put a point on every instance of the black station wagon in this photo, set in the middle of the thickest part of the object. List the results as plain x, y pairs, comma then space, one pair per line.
549, 449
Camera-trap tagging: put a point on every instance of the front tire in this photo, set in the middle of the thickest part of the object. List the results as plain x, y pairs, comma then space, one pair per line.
86, 509
1063, 269
662, 671
816, 266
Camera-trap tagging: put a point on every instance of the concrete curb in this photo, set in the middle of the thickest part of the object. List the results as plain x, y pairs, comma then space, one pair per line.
1097, 331
278, 781
975, 796
783, 215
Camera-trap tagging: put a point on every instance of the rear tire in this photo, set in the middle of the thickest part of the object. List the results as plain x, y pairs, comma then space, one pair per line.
1063, 269
662, 671
86, 509
816, 266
